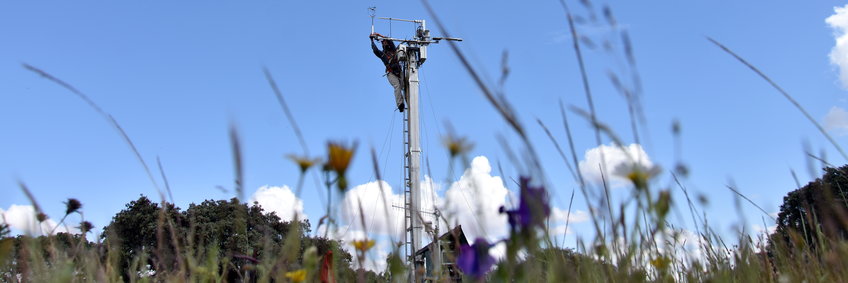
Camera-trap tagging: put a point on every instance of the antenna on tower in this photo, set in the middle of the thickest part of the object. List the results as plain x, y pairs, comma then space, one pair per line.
373, 12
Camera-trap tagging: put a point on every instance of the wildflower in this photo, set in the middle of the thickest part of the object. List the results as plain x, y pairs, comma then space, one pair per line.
532, 209
85, 227
297, 275
303, 162
457, 145
638, 174
661, 262
338, 159
475, 260
363, 245
327, 274
72, 205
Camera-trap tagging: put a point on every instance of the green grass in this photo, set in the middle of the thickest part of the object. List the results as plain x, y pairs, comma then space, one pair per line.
633, 241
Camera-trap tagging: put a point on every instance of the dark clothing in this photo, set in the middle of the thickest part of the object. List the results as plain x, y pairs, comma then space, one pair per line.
389, 58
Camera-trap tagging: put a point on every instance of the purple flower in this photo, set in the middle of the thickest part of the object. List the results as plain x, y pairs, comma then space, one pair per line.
475, 260
532, 209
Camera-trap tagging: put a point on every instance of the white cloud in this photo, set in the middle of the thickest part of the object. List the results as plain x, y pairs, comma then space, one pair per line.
560, 230
378, 213
614, 157
279, 200
836, 120
473, 202
382, 209
21, 219
561, 215
474, 198
839, 54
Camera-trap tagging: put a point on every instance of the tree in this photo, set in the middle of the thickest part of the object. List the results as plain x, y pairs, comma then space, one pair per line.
136, 231
234, 234
816, 211
4, 230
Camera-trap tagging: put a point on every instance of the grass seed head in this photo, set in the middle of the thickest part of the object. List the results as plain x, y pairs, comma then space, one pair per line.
85, 227
41, 217
72, 205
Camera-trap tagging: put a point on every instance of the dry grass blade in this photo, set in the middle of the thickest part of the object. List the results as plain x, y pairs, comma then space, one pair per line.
286, 110
164, 179
582, 66
820, 159
29, 196
794, 177
558, 148
568, 217
237, 162
752, 202
784, 93
593, 117
570, 141
66, 86
105, 115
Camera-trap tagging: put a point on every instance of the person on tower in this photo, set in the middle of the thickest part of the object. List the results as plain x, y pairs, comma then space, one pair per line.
393, 71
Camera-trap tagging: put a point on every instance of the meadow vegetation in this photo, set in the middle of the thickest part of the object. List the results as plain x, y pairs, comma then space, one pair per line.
633, 241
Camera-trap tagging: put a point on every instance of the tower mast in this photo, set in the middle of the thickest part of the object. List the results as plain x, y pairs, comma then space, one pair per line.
413, 53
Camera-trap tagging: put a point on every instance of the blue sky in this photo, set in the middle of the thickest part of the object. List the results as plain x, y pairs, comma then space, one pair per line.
176, 75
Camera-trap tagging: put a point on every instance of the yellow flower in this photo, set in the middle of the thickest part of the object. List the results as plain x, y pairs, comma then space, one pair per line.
661, 262
303, 162
297, 275
339, 157
457, 145
363, 245
638, 174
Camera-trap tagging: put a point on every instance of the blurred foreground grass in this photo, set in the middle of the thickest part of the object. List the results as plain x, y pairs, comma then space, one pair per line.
633, 241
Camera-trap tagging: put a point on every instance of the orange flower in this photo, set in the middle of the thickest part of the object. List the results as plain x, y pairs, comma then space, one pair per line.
339, 157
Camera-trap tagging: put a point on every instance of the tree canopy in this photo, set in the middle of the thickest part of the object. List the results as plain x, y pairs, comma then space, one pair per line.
817, 210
